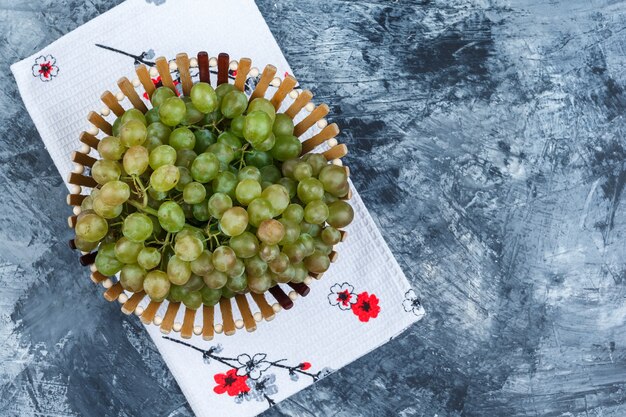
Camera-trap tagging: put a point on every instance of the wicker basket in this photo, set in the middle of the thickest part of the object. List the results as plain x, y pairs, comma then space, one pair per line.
169, 315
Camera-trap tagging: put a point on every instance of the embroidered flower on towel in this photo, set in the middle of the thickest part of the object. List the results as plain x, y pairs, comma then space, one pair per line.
412, 304
231, 383
45, 68
366, 307
252, 366
342, 295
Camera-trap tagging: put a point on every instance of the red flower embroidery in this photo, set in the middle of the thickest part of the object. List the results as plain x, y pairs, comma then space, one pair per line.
45, 68
305, 365
366, 307
344, 297
231, 383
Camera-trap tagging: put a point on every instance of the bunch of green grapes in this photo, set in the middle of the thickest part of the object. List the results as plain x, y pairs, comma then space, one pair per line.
207, 196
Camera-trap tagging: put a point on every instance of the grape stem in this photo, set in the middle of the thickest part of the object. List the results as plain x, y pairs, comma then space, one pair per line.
144, 190
143, 208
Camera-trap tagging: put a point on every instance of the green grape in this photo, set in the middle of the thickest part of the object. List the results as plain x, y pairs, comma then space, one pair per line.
185, 178
237, 283
316, 212
210, 296
185, 158
212, 118
310, 229
218, 204
87, 203
190, 231
322, 247
204, 138
200, 211
255, 266
205, 167
221, 91
330, 235
288, 166
333, 178
195, 283
162, 155
270, 174
83, 245
159, 131
257, 127
283, 125
203, 97
91, 227
117, 124
229, 139
343, 190
160, 95
236, 126
178, 271
192, 300
203, 264
164, 178
172, 111
194, 193
286, 147
247, 190
225, 182
285, 276
111, 148
188, 248
267, 144
295, 251
105, 170
224, 153
268, 252
136, 160
127, 251
340, 214
134, 114
149, 258
177, 292
264, 105
192, 114
290, 185
260, 283
249, 173
131, 277
151, 143
156, 284
279, 263
310, 189
182, 138
152, 116
278, 196
224, 258
106, 262
215, 279
133, 133
137, 227
329, 198
259, 209
302, 170
317, 262
271, 232
294, 212
258, 159
308, 242
244, 245
237, 270
300, 272
234, 103
234, 221
106, 211
171, 217
292, 231
317, 162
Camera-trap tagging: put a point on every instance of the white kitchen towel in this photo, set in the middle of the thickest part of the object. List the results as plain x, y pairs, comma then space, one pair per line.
362, 302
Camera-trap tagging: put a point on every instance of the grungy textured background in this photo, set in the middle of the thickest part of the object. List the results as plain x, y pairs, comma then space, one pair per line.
486, 138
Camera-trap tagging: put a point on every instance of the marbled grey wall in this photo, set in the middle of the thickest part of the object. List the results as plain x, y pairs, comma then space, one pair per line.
486, 138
